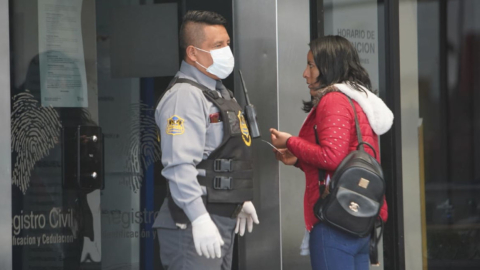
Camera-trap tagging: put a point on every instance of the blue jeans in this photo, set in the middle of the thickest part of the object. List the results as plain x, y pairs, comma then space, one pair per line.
332, 249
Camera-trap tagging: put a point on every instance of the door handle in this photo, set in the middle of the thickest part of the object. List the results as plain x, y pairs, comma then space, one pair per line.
83, 158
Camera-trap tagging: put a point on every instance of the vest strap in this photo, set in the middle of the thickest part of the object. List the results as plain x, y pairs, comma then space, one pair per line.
224, 165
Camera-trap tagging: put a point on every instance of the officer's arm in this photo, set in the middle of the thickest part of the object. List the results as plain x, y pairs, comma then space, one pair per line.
181, 117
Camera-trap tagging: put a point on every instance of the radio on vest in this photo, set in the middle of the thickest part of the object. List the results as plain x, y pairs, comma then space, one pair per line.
250, 112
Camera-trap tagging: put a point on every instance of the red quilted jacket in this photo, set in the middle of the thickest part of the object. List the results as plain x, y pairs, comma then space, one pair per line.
334, 118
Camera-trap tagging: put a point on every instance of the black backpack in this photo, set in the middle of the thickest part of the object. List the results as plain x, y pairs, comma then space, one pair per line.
356, 193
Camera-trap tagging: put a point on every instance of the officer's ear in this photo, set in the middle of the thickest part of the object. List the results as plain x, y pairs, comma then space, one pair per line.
190, 53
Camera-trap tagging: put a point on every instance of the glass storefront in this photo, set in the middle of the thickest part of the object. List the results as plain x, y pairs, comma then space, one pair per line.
86, 166
449, 87
439, 59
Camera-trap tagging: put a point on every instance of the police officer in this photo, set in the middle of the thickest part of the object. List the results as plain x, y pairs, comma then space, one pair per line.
205, 152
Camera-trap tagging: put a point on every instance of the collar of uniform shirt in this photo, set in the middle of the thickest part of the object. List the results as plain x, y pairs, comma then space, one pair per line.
195, 74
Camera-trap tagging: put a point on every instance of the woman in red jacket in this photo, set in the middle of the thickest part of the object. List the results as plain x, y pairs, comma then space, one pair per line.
333, 72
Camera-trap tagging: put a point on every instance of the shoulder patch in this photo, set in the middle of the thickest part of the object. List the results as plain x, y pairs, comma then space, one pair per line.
175, 125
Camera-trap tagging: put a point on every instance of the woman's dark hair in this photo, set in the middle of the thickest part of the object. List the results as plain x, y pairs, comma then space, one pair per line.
338, 62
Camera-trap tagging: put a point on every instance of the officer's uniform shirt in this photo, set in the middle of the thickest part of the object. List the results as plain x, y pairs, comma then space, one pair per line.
187, 137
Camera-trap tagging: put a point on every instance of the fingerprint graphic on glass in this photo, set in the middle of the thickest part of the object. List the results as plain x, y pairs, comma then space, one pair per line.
144, 147
35, 131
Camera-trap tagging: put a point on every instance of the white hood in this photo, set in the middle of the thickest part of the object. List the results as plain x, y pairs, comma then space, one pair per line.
379, 115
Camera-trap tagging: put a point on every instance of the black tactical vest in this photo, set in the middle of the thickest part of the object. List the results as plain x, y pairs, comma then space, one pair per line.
229, 172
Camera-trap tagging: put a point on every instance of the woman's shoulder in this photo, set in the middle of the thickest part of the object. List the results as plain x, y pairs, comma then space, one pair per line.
332, 100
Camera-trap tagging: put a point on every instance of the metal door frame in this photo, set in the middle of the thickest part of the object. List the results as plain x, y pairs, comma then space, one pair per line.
391, 143
5, 154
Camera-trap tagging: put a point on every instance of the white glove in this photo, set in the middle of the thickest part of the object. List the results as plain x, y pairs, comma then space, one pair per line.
248, 215
206, 237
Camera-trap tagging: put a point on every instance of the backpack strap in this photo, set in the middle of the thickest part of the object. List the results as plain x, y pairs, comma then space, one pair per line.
321, 173
359, 133
374, 240
357, 125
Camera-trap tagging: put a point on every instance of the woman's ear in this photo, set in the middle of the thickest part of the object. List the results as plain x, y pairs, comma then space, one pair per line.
191, 53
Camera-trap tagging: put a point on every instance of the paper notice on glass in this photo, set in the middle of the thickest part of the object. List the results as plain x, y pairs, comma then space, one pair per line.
62, 63
357, 21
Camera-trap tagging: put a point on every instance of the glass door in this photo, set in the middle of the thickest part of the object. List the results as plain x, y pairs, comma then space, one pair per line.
85, 152
86, 170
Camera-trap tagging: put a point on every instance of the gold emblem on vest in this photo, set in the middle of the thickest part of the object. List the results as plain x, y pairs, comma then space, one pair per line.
244, 128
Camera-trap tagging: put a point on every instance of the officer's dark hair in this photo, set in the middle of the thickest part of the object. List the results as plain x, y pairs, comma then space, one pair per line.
191, 31
338, 62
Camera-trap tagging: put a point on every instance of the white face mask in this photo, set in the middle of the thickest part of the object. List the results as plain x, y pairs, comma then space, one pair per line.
223, 62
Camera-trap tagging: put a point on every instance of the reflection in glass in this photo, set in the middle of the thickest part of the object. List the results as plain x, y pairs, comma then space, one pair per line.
57, 219
449, 87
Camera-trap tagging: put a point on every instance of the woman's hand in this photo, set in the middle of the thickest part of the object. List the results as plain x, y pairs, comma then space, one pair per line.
285, 156
279, 139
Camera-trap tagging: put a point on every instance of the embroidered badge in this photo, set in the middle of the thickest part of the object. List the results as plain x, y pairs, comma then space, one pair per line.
243, 127
175, 125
